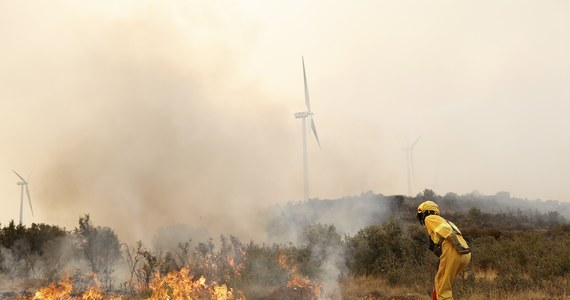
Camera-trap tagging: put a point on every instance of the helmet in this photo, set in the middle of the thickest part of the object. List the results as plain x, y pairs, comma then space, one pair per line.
428, 206
425, 209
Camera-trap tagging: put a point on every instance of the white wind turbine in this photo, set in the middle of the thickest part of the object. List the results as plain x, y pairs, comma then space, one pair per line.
410, 164
24, 186
304, 115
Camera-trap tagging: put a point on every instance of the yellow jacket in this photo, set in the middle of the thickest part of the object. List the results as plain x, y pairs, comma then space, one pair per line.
440, 229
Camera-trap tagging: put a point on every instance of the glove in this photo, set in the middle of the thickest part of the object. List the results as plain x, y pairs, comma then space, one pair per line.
435, 248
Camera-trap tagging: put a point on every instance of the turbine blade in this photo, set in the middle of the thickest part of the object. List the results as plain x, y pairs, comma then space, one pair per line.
412, 165
307, 100
315, 132
29, 199
20, 176
414, 144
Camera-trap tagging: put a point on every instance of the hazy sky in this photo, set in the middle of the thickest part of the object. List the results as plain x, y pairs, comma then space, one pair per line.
150, 113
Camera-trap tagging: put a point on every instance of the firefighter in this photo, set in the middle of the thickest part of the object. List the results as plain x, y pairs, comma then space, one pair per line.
448, 244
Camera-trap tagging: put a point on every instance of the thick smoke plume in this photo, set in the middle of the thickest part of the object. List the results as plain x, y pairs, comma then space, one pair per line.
146, 111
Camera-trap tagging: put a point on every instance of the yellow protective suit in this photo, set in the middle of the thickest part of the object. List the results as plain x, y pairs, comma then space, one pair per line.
450, 261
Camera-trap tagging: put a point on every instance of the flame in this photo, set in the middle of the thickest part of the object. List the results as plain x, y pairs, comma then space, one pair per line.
283, 261
222, 293
92, 294
297, 281
230, 261
180, 285
237, 268
304, 283
60, 290
174, 285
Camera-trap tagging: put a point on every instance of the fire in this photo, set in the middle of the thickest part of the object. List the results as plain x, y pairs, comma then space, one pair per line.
304, 283
60, 290
222, 293
174, 285
283, 262
63, 290
180, 285
299, 283
92, 294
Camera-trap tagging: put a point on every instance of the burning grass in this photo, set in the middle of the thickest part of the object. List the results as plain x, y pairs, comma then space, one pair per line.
178, 285
298, 287
65, 289
174, 285
181, 285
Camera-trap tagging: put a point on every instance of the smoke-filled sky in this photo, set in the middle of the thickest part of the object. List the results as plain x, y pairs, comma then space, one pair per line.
146, 114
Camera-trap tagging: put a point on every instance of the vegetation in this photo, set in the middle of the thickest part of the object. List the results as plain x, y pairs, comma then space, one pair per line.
515, 252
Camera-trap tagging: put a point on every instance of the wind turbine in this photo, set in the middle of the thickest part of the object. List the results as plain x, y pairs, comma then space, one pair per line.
24, 186
304, 115
410, 164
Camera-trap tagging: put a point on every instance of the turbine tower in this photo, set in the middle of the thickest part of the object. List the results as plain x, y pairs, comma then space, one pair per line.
24, 186
304, 115
410, 165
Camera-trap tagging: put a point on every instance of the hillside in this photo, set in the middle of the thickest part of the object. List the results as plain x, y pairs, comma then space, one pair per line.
364, 247
474, 212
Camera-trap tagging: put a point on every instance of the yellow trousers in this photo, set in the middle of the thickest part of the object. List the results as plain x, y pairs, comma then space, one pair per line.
451, 263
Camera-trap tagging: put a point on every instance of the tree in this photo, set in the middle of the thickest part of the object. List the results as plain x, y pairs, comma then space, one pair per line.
324, 251
25, 247
364, 250
381, 250
100, 247
132, 257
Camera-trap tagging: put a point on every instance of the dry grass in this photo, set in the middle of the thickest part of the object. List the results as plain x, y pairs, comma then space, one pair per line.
378, 289
370, 288
488, 274
531, 295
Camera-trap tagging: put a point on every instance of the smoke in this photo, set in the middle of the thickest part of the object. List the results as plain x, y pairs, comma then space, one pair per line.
146, 121
138, 112
332, 269
320, 224
58, 259
348, 214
